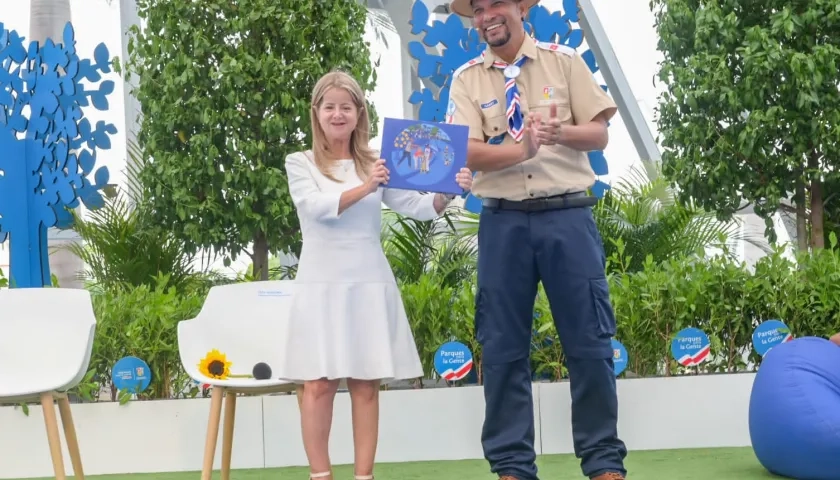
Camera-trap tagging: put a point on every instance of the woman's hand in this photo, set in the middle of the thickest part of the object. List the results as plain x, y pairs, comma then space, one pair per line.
379, 174
464, 178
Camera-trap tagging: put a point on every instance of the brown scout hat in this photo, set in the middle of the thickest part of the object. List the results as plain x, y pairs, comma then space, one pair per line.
464, 9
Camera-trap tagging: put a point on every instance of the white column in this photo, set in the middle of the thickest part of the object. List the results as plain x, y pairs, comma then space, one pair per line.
128, 18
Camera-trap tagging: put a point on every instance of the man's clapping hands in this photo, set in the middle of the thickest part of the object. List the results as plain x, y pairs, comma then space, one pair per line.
539, 132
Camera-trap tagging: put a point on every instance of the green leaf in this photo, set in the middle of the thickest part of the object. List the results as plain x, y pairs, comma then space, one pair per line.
750, 104
225, 97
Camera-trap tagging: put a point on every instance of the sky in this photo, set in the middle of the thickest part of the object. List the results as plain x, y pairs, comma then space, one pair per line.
629, 25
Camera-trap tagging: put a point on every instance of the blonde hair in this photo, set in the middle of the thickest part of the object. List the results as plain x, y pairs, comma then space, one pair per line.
363, 155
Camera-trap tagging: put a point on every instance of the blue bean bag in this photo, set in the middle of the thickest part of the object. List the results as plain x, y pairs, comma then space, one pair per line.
794, 416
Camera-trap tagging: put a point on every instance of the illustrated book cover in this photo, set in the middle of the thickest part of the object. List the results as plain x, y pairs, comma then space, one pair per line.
424, 156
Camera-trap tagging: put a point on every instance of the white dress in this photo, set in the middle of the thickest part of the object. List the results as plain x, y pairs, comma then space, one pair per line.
347, 318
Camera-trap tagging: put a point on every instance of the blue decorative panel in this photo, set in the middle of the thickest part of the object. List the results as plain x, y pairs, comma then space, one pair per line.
47, 148
460, 45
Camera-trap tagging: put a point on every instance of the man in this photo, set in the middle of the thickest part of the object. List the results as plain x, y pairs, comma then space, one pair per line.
535, 225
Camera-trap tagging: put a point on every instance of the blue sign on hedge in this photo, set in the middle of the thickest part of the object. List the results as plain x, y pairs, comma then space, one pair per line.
690, 347
131, 374
453, 361
769, 334
619, 357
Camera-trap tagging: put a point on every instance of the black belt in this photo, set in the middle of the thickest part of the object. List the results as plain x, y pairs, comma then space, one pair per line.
556, 202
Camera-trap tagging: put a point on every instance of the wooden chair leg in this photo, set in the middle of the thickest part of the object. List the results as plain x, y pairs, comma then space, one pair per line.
70, 437
212, 431
227, 433
51, 422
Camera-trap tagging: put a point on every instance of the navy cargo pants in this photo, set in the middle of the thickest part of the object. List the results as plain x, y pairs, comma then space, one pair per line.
563, 249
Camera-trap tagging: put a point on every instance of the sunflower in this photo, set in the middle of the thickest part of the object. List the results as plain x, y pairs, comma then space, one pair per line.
215, 365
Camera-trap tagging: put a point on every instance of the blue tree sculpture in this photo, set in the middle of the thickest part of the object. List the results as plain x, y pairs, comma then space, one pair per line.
459, 45
45, 159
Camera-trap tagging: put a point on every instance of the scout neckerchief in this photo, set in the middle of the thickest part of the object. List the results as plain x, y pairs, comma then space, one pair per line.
514, 113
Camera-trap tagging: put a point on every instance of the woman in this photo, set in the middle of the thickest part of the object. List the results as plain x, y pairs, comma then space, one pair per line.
347, 321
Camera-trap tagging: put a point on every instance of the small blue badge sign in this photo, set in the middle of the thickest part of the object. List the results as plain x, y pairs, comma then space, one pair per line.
131, 374
453, 361
769, 334
619, 357
691, 347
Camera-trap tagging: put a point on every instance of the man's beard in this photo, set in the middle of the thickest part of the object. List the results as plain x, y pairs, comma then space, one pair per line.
500, 42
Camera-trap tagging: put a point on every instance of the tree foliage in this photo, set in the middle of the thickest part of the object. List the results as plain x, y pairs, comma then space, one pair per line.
640, 219
751, 109
225, 92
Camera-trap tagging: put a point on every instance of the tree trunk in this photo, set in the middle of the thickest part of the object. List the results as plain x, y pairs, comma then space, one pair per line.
817, 215
801, 217
260, 257
817, 210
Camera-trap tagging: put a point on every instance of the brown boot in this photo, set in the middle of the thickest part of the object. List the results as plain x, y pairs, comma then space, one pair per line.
609, 476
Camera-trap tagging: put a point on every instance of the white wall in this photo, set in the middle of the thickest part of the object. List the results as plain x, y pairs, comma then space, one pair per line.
415, 425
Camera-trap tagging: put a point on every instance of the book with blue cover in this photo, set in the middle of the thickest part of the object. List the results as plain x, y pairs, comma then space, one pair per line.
424, 156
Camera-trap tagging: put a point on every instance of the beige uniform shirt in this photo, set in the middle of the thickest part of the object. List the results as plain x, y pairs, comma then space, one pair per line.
552, 74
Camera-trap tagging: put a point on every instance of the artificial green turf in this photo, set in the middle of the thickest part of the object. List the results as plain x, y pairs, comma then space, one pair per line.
705, 464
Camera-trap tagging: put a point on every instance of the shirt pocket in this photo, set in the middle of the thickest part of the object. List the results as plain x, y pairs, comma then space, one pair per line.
494, 120
564, 110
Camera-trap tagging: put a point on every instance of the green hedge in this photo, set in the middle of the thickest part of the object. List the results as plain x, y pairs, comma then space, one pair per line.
723, 298
142, 321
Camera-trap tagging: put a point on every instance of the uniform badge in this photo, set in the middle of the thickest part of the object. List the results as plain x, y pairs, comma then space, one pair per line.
548, 93
485, 106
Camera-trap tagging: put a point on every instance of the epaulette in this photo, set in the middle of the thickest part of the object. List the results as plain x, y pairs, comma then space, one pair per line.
473, 62
556, 47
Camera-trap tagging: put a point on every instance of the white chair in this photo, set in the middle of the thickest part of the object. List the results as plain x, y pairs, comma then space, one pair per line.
245, 322
46, 340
